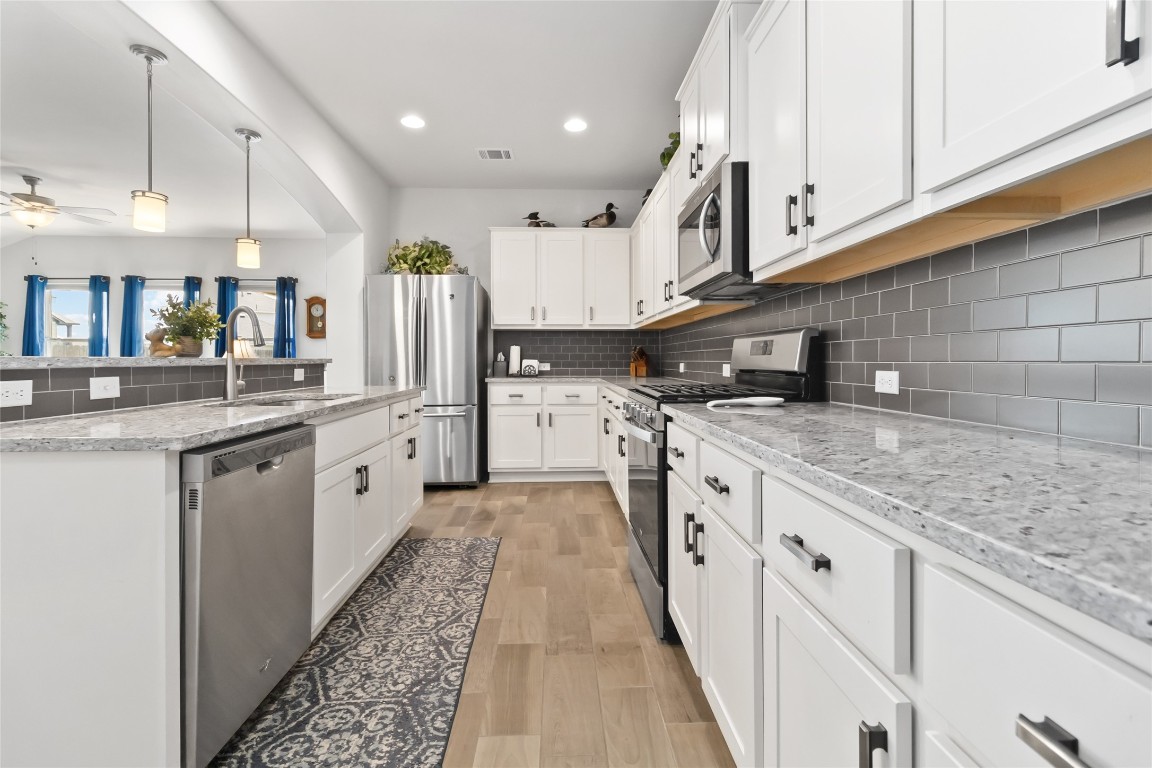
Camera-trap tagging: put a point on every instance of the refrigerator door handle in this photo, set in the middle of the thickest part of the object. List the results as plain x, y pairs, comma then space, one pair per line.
422, 351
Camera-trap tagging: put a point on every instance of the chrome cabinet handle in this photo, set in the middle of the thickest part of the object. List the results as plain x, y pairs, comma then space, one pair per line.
515, 394
606, 430
872, 737
714, 483
689, 523
692, 165
795, 545
790, 202
1117, 50
537, 418
568, 395
697, 555
1050, 741
411, 448
532, 316
589, 314
620, 445
360, 481
549, 418
544, 314
641, 306
418, 410
676, 452
806, 192
402, 416
367, 475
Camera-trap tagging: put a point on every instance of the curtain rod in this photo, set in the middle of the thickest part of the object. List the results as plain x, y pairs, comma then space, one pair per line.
255, 279
166, 279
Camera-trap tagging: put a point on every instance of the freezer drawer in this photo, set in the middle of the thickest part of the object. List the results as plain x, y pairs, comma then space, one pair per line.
451, 445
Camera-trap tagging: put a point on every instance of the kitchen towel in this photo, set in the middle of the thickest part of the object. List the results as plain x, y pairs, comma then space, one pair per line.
514, 361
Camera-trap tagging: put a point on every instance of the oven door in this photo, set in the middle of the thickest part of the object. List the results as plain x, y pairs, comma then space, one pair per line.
645, 500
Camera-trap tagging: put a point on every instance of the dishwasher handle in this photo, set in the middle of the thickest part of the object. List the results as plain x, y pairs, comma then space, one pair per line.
271, 465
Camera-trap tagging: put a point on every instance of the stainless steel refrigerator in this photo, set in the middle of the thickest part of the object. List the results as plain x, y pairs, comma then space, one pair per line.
432, 331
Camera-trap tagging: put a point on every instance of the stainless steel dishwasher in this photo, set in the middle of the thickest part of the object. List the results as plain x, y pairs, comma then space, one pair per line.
247, 578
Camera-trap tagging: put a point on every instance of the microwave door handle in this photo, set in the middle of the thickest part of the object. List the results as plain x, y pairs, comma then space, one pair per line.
703, 218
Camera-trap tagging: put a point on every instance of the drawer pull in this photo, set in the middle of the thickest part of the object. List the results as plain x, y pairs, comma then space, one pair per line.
606, 426
872, 737
676, 452
715, 484
620, 445
1050, 741
418, 410
515, 394
402, 416
689, 524
795, 545
1117, 50
568, 395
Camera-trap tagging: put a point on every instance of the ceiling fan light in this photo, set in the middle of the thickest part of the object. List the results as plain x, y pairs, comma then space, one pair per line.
247, 253
148, 210
33, 217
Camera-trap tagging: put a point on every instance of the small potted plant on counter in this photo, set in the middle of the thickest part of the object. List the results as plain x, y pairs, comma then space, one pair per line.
187, 328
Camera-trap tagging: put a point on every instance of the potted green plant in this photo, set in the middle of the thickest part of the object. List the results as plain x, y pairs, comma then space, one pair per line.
670, 150
3, 326
190, 326
424, 257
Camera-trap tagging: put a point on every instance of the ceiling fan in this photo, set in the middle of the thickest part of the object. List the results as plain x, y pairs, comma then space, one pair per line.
33, 210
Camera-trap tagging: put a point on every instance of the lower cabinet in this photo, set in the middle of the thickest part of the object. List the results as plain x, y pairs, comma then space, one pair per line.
684, 571
532, 427
824, 703
373, 530
514, 437
570, 437
334, 541
407, 479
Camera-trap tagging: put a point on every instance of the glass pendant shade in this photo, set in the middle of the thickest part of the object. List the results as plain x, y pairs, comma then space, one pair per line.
148, 210
247, 253
33, 217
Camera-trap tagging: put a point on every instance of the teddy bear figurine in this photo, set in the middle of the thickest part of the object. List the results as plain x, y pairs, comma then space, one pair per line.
156, 345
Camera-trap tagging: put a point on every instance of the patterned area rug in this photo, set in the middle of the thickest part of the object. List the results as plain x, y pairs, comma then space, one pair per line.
379, 686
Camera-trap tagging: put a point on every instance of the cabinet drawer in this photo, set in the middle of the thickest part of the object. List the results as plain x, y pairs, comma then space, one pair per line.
399, 416
862, 586
514, 394
417, 409
572, 394
684, 455
731, 489
987, 661
337, 440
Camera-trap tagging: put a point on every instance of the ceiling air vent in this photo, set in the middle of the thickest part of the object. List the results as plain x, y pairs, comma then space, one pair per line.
495, 154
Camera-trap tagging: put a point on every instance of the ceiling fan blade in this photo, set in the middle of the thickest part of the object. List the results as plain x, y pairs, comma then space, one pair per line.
88, 219
77, 210
6, 213
5, 194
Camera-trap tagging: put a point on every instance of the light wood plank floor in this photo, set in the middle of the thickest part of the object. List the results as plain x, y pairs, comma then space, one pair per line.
564, 670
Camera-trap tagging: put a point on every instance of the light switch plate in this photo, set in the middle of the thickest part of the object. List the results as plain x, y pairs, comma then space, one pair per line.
888, 382
103, 387
15, 393
727, 370
297, 374
545, 366
683, 367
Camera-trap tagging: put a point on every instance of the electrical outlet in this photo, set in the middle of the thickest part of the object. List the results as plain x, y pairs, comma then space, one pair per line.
888, 382
545, 367
15, 393
683, 367
103, 387
727, 370
297, 374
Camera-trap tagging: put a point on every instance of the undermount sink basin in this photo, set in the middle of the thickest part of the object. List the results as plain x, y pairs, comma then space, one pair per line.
280, 400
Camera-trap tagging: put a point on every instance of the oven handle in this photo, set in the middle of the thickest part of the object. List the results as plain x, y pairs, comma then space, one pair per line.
648, 436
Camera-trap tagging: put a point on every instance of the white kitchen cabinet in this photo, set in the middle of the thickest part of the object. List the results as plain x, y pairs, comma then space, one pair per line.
996, 79
407, 480
607, 278
821, 695
570, 440
642, 266
561, 263
513, 289
665, 249
514, 433
334, 547
690, 137
714, 80
732, 649
374, 506
685, 576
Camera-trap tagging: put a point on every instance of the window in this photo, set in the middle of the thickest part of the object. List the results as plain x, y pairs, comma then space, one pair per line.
262, 299
155, 297
66, 320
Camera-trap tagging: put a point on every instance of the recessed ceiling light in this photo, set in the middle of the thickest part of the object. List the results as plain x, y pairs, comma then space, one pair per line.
412, 121
575, 125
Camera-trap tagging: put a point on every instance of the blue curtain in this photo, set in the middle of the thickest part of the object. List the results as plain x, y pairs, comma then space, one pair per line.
33, 343
131, 323
191, 290
98, 316
226, 299
284, 342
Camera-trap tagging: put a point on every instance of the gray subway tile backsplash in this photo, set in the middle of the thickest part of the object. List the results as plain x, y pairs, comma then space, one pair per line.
1000, 378
1063, 381
1126, 219
953, 262
1071, 232
1125, 384
951, 319
1108, 343
912, 272
914, 323
1030, 276
954, 377
1028, 413
1129, 300
927, 402
1000, 313
1073, 305
934, 293
1038, 344
1102, 263
929, 348
974, 285
1004, 249
972, 346
1095, 421
978, 408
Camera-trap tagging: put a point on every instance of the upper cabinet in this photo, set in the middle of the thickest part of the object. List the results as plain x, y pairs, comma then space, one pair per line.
829, 140
996, 79
560, 278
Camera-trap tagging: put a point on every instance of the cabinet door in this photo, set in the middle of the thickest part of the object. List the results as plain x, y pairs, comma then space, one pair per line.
820, 692
607, 278
663, 245
570, 437
683, 573
415, 471
561, 259
642, 272
995, 79
690, 132
777, 140
714, 82
732, 674
514, 434
859, 117
374, 506
407, 480
514, 278
334, 537
400, 448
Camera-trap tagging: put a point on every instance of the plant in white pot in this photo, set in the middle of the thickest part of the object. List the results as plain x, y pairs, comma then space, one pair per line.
188, 327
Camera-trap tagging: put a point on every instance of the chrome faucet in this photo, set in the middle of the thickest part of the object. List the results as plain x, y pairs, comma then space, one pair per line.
232, 386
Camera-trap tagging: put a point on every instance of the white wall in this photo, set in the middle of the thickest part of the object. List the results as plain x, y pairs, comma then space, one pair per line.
161, 257
460, 218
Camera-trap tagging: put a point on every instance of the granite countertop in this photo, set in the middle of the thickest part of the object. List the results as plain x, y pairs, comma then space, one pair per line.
1068, 518
20, 363
183, 426
617, 382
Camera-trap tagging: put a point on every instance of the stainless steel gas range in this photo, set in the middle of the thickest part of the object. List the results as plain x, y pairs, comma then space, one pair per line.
785, 365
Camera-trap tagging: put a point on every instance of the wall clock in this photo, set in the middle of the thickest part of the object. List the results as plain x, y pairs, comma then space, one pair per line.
317, 317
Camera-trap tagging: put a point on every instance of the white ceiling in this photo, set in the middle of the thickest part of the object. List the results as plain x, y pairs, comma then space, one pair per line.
73, 112
486, 74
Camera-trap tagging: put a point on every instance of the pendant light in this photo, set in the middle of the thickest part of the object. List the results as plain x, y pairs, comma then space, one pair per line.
247, 248
149, 207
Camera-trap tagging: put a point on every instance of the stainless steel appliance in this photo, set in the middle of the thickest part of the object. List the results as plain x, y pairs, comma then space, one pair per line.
247, 578
713, 241
431, 331
786, 365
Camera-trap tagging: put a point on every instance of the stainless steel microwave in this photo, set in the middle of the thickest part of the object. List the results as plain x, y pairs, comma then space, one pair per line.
713, 241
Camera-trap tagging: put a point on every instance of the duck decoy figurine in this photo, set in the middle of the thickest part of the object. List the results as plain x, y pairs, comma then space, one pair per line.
601, 220
534, 220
